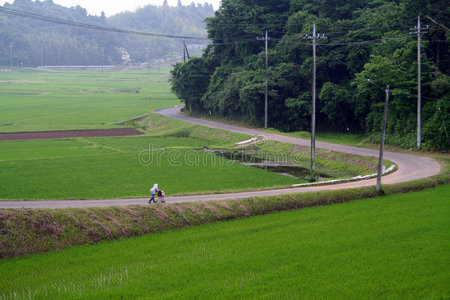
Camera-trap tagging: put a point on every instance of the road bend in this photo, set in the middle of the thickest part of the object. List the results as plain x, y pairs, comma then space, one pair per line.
409, 167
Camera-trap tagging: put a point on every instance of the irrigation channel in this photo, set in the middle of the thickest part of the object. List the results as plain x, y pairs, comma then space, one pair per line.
410, 167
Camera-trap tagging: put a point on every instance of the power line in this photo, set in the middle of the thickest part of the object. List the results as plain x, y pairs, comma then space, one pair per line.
335, 26
351, 68
233, 41
439, 24
369, 80
43, 18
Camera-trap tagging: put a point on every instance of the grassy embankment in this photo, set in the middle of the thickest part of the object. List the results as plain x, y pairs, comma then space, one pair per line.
385, 247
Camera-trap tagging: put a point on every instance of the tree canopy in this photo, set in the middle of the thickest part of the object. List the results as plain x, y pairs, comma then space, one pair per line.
368, 46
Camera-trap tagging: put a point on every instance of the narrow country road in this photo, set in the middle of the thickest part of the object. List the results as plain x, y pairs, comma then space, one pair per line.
410, 167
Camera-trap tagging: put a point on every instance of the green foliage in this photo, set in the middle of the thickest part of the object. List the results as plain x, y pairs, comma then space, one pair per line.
436, 129
189, 82
370, 37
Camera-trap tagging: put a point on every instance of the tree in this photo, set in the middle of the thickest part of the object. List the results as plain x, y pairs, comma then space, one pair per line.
189, 82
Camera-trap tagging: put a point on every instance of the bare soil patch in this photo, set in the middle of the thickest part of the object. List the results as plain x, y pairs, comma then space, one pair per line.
44, 135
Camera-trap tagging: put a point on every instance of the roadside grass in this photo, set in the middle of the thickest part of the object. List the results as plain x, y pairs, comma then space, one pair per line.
385, 247
351, 139
328, 163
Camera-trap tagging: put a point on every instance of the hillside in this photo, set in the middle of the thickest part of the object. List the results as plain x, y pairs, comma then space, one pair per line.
34, 42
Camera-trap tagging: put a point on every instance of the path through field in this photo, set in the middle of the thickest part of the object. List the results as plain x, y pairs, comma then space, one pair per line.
410, 167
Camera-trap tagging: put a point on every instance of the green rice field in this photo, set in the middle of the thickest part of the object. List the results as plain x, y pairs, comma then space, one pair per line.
32, 100
393, 247
168, 153
99, 168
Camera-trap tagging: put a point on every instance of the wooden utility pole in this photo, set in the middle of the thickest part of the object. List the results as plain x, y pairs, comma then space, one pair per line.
383, 136
419, 87
184, 52
313, 110
266, 39
419, 31
267, 80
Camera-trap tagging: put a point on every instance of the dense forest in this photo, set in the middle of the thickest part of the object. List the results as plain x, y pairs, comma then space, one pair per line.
368, 45
33, 42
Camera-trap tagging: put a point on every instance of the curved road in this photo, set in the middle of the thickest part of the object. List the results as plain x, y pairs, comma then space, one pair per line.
410, 167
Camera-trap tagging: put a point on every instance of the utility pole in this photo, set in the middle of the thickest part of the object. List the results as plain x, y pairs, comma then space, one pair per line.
313, 111
418, 30
266, 39
186, 50
383, 136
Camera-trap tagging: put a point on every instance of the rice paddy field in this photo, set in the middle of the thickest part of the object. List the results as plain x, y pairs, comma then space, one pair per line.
33, 100
168, 152
393, 247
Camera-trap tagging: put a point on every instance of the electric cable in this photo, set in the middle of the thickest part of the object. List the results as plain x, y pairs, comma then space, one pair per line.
90, 26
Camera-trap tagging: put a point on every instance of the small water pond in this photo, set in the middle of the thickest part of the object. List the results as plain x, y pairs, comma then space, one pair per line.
260, 160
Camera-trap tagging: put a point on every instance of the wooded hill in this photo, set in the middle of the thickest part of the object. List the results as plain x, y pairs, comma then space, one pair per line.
369, 45
37, 43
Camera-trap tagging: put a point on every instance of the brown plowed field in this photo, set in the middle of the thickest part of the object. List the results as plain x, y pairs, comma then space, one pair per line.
45, 135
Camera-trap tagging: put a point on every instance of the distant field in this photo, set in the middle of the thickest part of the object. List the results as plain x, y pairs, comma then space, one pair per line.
393, 247
32, 100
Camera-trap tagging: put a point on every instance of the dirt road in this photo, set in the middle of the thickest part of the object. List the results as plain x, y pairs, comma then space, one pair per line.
410, 167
